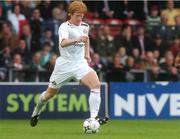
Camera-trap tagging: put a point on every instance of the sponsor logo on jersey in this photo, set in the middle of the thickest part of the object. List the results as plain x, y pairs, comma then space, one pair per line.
79, 45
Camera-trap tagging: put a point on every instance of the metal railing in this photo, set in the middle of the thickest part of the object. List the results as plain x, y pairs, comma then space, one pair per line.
134, 75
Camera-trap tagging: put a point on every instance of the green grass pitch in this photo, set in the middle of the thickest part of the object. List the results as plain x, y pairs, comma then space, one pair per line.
72, 129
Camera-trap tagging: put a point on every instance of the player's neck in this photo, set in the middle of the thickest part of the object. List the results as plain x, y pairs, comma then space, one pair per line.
72, 22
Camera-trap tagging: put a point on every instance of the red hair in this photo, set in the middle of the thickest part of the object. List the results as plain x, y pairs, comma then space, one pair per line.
77, 6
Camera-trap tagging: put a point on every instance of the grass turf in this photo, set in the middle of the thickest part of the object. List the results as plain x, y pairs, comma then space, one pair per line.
72, 129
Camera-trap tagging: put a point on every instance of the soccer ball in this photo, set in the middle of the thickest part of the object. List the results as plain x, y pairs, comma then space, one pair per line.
91, 125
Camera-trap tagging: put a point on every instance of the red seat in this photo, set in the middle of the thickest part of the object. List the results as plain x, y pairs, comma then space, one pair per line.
113, 21
132, 22
96, 21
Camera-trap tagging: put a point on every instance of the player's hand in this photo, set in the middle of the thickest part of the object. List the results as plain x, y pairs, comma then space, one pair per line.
88, 58
83, 39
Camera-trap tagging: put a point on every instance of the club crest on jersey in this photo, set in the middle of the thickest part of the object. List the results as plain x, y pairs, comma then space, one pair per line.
85, 31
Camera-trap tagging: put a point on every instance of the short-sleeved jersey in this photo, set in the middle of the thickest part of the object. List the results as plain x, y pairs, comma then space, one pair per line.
71, 31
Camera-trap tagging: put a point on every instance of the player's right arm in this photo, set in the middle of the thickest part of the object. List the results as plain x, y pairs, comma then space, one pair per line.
64, 40
69, 42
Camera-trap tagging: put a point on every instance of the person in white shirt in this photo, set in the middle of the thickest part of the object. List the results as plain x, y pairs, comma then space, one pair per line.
73, 63
15, 17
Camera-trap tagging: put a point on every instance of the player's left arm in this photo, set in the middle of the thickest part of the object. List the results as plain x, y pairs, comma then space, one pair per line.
87, 51
87, 46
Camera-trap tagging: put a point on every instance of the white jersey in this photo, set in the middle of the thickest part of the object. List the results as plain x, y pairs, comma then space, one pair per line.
71, 64
71, 31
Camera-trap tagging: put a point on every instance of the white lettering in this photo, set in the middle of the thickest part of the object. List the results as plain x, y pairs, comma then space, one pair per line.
120, 104
175, 105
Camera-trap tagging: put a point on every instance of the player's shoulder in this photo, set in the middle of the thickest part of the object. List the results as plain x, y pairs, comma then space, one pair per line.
64, 24
84, 24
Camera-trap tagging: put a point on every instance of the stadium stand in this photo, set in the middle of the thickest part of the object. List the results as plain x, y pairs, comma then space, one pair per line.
129, 41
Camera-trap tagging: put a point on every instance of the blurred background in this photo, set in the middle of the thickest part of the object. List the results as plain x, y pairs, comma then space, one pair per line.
133, 45
130, 41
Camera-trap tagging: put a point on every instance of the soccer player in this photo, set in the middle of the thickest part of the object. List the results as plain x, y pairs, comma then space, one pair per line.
72, 63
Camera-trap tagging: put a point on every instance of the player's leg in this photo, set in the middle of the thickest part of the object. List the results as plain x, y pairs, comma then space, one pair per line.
58, 78
91, 80
42, 101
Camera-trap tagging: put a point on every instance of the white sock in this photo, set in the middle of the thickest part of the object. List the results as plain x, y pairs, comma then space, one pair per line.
94, 102
40, 104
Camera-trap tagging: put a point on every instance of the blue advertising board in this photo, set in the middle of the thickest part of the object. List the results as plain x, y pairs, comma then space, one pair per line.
17, 101
145, 100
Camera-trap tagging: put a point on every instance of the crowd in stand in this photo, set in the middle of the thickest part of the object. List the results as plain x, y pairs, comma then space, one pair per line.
29, 39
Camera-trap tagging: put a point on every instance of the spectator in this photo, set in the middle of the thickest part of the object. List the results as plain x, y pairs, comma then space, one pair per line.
5, 57
36, 71
47, 37
163, 29
95, 64
129, 64
45, 8
156, 54
1, 14
17, 65
176, 30
116, 70
160, 45
124, 39
170, 12
129, 10
5, 60
6, 8
17, 62
36, 23
164, 20
169, 69
62, 6
56, 19
153, 19
149, 62
25, 8
105, 45
162, 59
15, 18
35, 64
33, 44
54, 23
142, 42
177, 20
49, 66
101, 9
22, 50
136, 56
107, 12
45, 54
175, 46
128, 67
122, 54
7, 37
92, 39
150, 65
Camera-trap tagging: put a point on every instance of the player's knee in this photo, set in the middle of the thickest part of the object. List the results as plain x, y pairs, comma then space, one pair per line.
50, 93
96, 85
